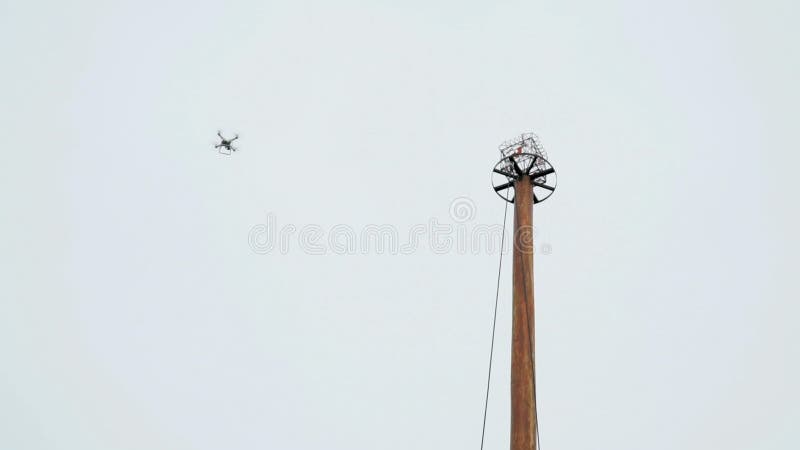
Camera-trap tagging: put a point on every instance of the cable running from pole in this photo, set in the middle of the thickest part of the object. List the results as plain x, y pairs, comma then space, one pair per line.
494, 324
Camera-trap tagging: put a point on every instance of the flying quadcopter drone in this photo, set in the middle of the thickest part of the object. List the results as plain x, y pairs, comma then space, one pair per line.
226, 145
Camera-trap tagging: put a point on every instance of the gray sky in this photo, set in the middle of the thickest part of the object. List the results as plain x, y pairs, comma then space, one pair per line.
134, 314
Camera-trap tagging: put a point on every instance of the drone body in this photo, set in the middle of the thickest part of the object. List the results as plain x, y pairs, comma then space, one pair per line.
226, 145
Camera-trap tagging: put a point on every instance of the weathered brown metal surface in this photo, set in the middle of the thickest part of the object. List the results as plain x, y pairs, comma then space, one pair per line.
523, 400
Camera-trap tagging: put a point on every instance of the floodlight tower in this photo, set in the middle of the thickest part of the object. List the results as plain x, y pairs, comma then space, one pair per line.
524, 177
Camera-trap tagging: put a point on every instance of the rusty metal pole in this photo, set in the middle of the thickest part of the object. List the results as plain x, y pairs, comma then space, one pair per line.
524, 177
523, 395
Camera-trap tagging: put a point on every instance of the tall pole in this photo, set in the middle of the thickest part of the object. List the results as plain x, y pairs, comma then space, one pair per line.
523, 177
523, 395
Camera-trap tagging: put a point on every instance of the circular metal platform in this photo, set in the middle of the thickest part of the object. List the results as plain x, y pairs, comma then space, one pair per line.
514, 166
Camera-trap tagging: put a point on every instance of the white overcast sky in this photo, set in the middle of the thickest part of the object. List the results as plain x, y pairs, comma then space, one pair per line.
134, 314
